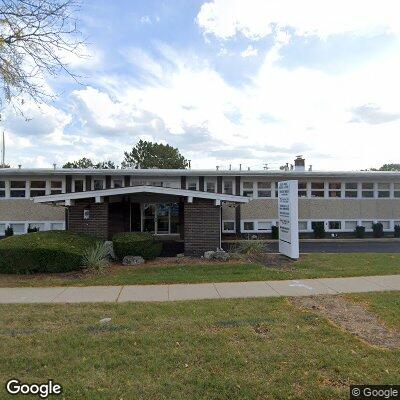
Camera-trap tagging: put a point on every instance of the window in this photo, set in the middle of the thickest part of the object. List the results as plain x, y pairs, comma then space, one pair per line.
248, 226
303, 226
228, 187
98, 184
57, 226
17, 188
317, 189
367, 190
385, 224
2, 229
264, 189
335, 189
56, 187
2, 190
350, 189
315, 224
78, 185
39, 226
350, 225
117, 183
192, 185
38, 188
248, 189
210, 186
334, 225
383, 190
264, 225
397, 190
228, 226
19, 229
302, 189
367, 225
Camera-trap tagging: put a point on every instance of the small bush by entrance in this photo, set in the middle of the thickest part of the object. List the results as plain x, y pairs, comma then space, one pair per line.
360, 232
56, 251
136, 244
378, 230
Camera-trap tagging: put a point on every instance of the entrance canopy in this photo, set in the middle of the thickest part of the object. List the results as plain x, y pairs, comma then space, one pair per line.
98, 195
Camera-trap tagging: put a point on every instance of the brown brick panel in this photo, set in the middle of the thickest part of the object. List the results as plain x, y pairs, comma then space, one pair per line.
96, 225
202, 226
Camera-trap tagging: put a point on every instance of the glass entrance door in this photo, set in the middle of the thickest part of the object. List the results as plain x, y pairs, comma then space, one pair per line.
160, 218
149, 218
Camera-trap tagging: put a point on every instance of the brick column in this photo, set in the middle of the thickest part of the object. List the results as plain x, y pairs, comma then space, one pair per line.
202, 226
96, 225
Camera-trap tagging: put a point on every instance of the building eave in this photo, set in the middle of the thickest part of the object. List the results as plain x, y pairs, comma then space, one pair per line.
98, 195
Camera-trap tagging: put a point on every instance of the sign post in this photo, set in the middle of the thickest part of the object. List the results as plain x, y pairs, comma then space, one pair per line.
288, 218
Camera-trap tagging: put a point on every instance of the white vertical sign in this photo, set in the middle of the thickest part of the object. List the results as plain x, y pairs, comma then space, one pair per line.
288, 218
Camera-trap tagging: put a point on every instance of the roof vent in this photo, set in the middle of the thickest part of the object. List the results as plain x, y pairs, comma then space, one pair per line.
299, 164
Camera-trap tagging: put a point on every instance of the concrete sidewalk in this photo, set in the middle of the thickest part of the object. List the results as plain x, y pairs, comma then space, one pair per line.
225, 290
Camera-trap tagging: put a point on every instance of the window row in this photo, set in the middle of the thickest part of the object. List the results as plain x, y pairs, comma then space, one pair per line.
259, 226
21, 227
33, 188
262, 189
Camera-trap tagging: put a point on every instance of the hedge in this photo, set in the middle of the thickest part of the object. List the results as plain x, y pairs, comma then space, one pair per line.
57, 251
136, 244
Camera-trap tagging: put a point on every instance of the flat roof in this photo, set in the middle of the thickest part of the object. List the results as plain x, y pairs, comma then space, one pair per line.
199, 172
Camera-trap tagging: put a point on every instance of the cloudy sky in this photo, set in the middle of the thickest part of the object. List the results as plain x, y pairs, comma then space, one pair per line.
227, 82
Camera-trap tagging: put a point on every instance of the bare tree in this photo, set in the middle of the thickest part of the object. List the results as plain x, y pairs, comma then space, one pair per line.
36, 37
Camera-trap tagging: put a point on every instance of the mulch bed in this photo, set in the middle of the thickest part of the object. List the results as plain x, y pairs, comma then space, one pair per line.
351, 317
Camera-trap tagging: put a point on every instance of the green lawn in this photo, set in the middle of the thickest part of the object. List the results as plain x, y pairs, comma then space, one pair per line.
309, 266
227, 349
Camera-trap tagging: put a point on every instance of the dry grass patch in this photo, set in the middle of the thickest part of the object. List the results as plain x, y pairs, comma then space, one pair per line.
353, 318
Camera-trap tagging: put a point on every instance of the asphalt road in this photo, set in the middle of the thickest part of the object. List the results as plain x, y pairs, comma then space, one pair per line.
345, 247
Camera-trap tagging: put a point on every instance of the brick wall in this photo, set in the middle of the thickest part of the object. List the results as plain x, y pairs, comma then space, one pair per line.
96, 225
202, 226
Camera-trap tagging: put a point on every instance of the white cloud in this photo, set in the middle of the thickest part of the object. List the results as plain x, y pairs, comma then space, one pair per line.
257, 18
192, 106
250, 51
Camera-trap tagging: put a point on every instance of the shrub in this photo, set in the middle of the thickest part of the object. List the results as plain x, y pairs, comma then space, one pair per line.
95, 258
9, 231
397, 231
360, 231
136, 244
251, 247
57, 251
274, 232
378, 230
32, 229
319, 230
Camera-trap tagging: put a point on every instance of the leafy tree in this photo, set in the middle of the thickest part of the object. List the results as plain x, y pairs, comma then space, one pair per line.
36, 39
86, 163
83, 163
105, 165
154, 155
390, 167
385, 167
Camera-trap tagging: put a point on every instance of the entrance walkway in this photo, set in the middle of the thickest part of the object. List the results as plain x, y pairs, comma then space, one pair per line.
225, 290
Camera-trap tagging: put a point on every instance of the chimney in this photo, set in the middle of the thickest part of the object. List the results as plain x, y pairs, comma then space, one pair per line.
299, 164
